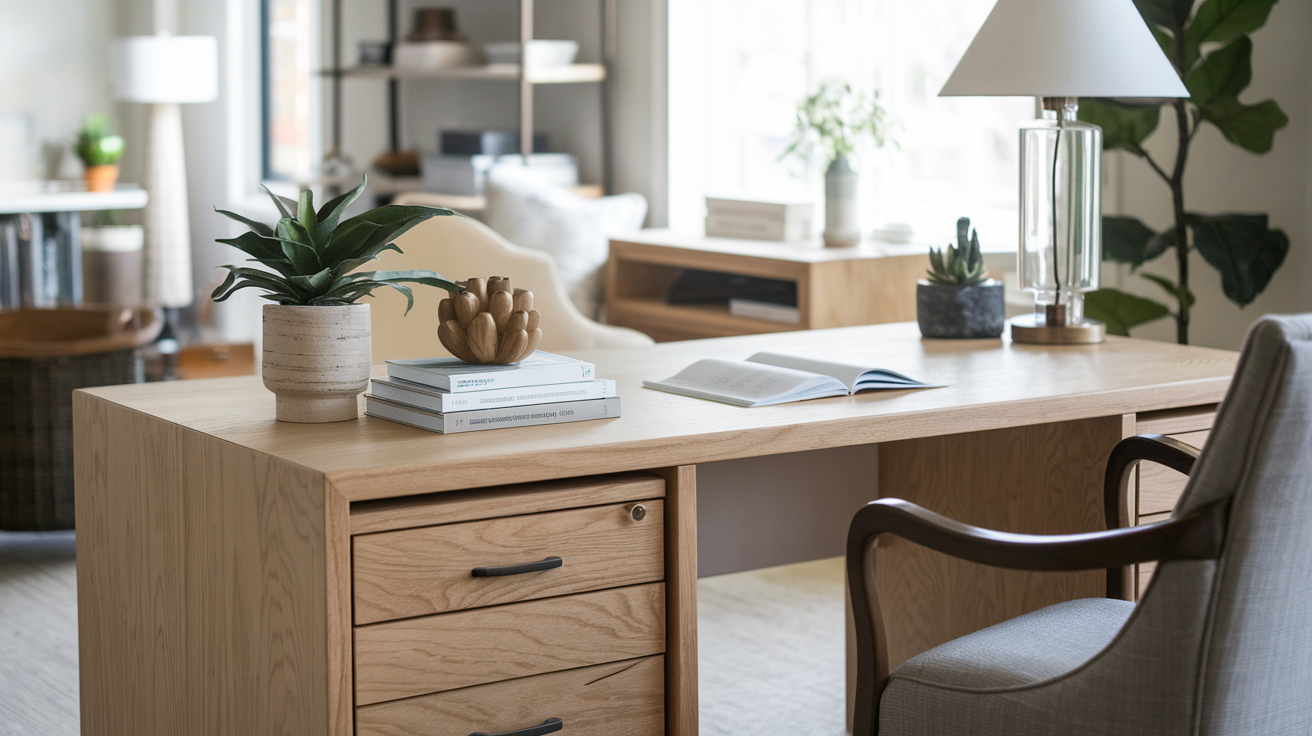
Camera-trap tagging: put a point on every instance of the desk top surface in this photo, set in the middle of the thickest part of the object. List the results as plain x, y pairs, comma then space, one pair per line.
991, 384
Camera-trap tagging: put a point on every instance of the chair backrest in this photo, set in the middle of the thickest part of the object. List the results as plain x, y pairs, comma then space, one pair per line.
458, 248
1254, 663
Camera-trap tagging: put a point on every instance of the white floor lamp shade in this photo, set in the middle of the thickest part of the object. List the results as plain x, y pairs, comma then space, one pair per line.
166, 71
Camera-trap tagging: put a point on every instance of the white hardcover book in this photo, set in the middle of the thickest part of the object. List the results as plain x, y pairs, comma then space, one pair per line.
767, 311
479, 419
455, 375
425, 397
792, 229
762, 209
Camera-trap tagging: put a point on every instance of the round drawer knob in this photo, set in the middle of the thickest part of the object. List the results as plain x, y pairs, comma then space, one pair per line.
639, 512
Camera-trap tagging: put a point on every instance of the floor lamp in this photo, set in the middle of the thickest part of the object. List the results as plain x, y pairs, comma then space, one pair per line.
166, 71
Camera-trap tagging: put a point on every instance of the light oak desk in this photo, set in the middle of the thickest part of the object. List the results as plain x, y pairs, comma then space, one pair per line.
241, 576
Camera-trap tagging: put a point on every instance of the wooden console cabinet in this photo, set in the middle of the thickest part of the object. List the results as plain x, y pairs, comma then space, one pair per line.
836, 287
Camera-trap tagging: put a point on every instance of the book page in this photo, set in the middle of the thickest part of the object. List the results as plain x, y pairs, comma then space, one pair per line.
747, 384
847, 374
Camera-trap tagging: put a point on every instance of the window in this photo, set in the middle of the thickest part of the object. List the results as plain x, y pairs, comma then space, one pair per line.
290, 94
739, 67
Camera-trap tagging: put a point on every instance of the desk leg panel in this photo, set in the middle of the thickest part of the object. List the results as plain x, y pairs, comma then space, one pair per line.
1041, 479
201, 583
681, 600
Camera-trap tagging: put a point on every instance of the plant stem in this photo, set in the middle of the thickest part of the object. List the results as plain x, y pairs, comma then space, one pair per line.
1177, 203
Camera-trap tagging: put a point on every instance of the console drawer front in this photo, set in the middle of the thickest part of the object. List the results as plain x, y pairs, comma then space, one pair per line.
603, 700
402, 659
416, 572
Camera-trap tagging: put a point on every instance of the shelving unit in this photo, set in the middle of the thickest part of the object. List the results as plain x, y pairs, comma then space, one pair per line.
525, 75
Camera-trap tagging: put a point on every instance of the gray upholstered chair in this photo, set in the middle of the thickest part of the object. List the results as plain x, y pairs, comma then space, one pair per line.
1220, 643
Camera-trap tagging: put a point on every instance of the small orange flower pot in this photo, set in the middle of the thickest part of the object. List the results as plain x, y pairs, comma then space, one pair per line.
101, 178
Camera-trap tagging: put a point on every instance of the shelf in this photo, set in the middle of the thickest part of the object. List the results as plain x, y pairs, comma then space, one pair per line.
666, 322
67, 196
568, 74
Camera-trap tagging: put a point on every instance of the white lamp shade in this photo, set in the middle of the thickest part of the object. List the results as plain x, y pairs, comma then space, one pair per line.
165, 69
1064, 48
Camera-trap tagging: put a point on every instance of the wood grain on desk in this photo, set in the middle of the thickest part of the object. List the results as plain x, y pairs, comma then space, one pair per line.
992, 384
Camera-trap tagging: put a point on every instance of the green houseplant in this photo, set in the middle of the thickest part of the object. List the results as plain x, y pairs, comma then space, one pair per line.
832, 123
959, 300
100, 152
316, 337
1212, 52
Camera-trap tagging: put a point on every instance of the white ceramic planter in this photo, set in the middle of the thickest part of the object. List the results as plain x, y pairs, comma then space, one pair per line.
316, 360
841, 227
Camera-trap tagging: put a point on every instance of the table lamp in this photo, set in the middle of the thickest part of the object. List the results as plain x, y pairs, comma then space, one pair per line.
165, 71
1059, 51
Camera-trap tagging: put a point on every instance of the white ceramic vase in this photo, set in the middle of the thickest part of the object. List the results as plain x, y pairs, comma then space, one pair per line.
841, 227
316, 360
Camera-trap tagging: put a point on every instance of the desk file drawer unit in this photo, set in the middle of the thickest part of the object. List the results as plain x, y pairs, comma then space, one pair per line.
506, 611
1159, 487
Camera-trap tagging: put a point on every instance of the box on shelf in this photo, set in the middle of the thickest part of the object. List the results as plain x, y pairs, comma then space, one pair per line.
484, 142
466, 175
541, 52
758, 219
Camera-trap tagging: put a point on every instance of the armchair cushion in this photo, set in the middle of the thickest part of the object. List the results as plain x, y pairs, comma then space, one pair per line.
1022, 651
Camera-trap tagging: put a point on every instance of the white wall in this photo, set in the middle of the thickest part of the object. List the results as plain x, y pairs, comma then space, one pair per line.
1222, 177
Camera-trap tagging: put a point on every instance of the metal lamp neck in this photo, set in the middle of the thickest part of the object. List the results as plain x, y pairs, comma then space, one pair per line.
1063, 108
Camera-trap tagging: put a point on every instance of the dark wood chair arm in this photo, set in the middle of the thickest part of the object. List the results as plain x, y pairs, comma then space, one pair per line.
1125, 457
1195, 536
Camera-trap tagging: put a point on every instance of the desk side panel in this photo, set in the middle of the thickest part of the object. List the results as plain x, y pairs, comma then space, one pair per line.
201, 582
1042, 479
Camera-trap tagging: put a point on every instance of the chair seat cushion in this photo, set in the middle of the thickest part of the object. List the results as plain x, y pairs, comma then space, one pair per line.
1021, 651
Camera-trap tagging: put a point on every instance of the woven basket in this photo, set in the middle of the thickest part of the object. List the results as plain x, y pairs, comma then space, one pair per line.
44, 355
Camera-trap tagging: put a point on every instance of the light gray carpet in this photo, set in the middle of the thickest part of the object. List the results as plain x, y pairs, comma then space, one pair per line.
38, 635
770, 645
771, 651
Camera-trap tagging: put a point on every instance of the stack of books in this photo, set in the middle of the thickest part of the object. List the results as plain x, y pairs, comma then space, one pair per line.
758, 220
448, 395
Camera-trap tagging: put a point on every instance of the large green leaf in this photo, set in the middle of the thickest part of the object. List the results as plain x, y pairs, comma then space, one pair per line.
296, 247
1171, 14
1224, 73
350, 265
315, 284
1249, 126
1218, 21
331, 213
286, 207
1127, 240
1123, 126
1121, 311
416, 276
305, 215
1183, 296
362, 232
1243, 248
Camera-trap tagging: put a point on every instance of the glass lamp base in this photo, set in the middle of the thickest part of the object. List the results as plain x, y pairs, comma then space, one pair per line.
1028, 328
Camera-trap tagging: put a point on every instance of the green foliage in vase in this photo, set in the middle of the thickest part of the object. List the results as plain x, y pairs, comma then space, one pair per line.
962, 265
95, 145
1243, 247
834, 120
313, 254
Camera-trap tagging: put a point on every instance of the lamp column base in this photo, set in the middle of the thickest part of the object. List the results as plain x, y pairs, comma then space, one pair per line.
1028, 329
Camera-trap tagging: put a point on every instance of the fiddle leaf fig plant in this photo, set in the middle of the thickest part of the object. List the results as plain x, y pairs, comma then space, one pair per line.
1243, 247
313, 254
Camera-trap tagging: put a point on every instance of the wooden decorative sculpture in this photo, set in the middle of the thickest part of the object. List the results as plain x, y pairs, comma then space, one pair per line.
489, 323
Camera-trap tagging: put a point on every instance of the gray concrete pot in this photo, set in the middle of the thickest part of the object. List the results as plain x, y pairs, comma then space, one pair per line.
316, 360
960, 312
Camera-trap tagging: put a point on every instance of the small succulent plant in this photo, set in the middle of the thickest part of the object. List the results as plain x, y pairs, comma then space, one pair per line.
313, 254
962, 265
95, 145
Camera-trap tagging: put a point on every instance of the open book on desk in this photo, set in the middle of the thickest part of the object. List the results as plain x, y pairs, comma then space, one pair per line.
772, 378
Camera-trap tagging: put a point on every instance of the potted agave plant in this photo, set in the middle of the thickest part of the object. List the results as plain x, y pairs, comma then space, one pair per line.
959, 300
317, 350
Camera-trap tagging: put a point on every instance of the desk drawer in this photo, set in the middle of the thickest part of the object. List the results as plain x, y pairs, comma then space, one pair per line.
1159, 486
603, 700
417, 572
402, 659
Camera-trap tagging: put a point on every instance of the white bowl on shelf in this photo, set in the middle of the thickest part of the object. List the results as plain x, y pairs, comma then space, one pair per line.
541, 52
428, 55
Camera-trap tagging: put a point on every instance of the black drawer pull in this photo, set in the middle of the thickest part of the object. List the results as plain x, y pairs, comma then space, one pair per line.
551, 726
495, 572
